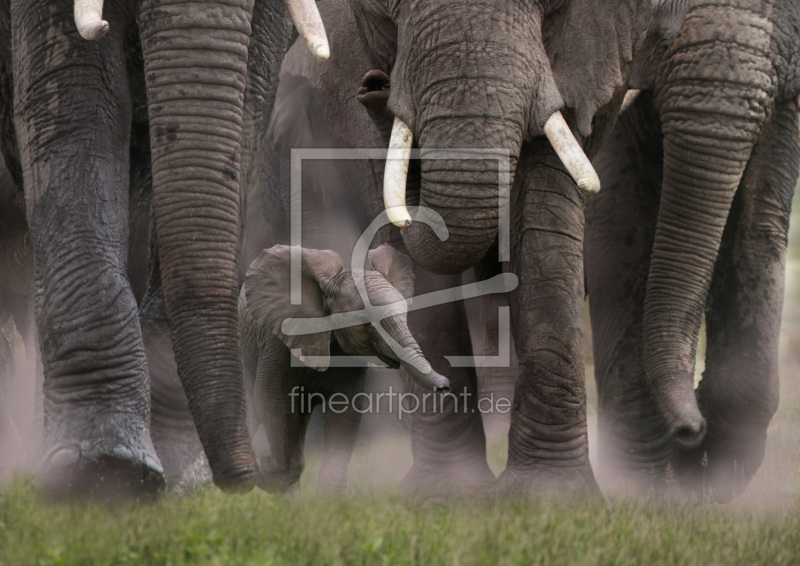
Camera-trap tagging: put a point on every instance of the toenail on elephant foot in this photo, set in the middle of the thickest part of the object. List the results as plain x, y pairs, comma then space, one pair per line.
104, 472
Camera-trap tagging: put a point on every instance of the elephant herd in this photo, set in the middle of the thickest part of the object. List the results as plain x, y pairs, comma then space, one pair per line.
151, 149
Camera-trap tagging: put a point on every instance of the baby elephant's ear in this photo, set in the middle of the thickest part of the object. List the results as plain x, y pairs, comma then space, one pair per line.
268, 291
396, 267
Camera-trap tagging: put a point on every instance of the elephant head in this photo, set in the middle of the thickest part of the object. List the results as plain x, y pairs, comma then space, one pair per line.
377, 328
490, 76
718, 70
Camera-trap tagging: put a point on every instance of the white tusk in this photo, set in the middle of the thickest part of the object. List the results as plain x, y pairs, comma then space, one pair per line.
89, 19
571, 155
308, 22
630, 98
396, 173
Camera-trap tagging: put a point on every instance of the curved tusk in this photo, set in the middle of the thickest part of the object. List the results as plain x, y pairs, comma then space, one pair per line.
571, 155
630, 98
396, 173
308, 22
89, 19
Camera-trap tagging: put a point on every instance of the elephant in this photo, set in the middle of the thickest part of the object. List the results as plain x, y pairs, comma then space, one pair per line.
535, 87
15, 272
104, 102
285, 391
699, 176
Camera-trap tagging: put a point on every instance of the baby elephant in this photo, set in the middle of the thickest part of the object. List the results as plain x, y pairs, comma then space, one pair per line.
289, 365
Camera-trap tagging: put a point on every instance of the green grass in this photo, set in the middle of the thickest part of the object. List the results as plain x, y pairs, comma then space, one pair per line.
211, 528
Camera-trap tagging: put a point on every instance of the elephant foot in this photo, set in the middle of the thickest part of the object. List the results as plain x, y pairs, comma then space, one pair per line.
182, 456
194, 477
277, 479
117, 461
719, 470
549, 483
449, 483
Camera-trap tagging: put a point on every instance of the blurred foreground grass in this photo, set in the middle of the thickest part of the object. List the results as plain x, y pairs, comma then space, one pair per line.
211, 528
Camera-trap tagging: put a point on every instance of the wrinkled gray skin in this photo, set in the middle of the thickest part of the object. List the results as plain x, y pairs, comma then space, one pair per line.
479, 74
93, 128
693, 219
286, 394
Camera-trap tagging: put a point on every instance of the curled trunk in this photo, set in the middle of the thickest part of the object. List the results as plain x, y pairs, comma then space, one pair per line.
411, 357
464, 188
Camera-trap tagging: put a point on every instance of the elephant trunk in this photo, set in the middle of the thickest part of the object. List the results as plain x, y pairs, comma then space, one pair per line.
195, 57
411, 357
711, 121
464, 188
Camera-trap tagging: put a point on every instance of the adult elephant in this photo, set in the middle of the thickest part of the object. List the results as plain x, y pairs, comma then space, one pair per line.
497, 77
700, 175
82, 110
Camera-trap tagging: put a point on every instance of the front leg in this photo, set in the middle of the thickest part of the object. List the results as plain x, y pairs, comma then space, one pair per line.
633, 437
286, 409
547, 440
341, 429
447, 438
72, 118
171, 425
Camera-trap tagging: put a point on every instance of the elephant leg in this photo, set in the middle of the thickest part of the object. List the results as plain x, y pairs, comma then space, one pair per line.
6, 348
490, 338
620, 226
341, 432
73, 115
547, 440
171, 425
447, 438
738, 394
286, 411
282, 467
11, 446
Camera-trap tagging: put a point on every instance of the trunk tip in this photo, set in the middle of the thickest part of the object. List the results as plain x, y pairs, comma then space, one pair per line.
689, 428
442, 384
237, 475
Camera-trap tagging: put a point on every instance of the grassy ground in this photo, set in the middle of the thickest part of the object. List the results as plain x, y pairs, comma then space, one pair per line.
374, 525
210, 528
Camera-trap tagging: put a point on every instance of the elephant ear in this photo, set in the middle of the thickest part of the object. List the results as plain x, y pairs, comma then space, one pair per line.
590, 44
396, 267
668, 17
268, 293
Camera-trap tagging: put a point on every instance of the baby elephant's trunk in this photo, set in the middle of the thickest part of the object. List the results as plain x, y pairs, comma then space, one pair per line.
421, 371
406, 350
